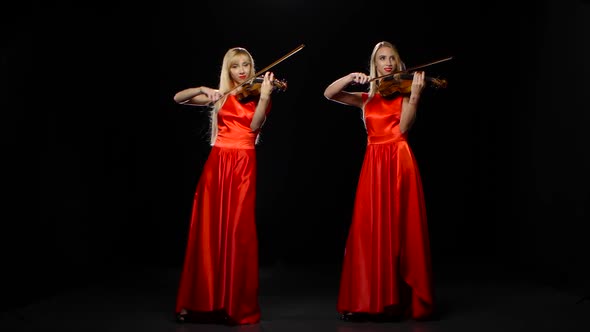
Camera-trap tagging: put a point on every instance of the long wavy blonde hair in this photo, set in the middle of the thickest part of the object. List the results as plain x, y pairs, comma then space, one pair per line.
226, 83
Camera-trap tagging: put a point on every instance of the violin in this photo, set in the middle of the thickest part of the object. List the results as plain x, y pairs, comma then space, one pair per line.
251, 88
402, 83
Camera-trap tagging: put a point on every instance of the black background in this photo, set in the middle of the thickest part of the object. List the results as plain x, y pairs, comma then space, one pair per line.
100, 165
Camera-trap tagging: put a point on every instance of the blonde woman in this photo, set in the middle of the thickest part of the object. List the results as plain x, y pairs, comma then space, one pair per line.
386, 272
219, 279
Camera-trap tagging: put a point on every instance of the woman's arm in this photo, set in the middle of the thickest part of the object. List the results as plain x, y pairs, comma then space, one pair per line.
410, 104
335, 91
264, 99
200, 96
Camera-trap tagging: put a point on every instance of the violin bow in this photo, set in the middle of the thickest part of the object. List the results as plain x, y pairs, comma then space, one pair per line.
412, 68
281, 59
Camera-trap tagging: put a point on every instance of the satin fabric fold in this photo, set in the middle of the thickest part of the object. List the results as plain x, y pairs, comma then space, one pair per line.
220, 271
387, 263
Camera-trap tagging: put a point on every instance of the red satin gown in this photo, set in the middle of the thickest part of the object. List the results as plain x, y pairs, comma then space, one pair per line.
387, 263
220, 271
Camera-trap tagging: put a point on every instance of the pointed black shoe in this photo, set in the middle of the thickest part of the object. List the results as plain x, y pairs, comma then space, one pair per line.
181, 318
385, 318
209, 317
353, 317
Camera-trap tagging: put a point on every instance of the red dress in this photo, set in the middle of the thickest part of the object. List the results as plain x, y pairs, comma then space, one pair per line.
220, 272
387, 263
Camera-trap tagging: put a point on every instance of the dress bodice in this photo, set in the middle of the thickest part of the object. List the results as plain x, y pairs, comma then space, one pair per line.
233, 123
382, 118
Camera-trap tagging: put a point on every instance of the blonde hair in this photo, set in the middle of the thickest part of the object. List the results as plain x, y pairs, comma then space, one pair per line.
226, 83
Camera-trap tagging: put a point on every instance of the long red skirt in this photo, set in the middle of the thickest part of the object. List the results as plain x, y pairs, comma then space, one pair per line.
220, 272
387, 263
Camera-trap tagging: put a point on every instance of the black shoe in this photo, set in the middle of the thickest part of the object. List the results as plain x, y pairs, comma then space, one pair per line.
386, 318
207, 317
182, 318
353, 317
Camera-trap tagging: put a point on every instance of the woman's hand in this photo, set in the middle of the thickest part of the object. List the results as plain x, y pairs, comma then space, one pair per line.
358, 78
267, 84
418, 84
212, 94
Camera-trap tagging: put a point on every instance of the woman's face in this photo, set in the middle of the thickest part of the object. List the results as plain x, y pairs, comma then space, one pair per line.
385, 61
240, 68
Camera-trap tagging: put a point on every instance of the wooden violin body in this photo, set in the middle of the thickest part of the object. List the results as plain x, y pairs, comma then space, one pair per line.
251, 89
402, 83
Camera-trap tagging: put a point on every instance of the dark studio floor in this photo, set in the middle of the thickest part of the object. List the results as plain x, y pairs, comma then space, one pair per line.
302, 298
